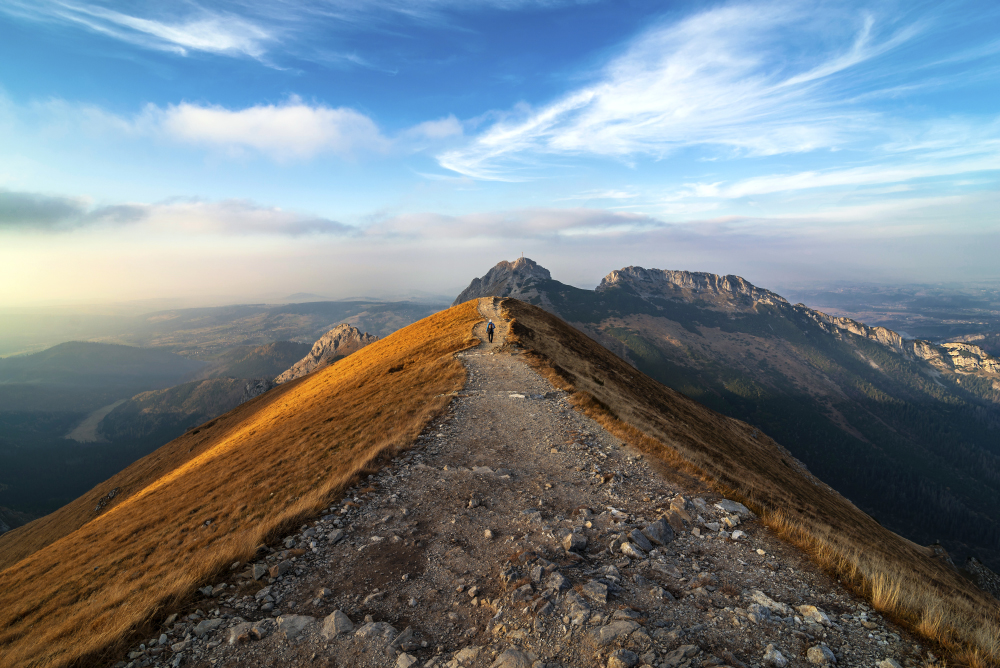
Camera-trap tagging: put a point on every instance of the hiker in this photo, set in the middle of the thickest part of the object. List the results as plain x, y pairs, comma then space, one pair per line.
489, 330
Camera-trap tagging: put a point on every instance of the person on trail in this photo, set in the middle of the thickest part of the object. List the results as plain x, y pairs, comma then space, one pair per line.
489, 330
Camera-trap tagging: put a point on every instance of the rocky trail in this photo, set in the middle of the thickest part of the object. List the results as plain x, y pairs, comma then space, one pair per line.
517, 533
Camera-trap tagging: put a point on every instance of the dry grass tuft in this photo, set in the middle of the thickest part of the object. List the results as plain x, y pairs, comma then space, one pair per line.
900, 578
78, 584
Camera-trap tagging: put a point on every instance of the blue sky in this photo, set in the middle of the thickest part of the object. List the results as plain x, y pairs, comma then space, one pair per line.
248, 150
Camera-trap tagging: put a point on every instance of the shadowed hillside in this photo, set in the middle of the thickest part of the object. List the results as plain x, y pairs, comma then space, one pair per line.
111, 560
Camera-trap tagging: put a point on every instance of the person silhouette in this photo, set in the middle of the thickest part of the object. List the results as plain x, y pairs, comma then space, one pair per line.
489, 330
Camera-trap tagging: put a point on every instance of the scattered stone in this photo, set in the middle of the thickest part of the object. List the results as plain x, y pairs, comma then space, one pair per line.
677, 656
377, 630
595, 591
575, 542
774, 657
293, 625
605, 635
557, 581
659, 532
488, 534
734, 507
888, 663
814, 614
336, 623
623, 658
512, 658
258, 571
467, 655
774, 606
820, 655
206, 626
405, 660
640, 540
630, 550
281, 568
206, 591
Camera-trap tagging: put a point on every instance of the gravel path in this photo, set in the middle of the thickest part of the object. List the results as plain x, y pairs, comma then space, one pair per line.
515, 534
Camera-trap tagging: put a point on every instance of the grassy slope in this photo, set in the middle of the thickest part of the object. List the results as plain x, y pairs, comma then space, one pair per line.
254, 472
899, 576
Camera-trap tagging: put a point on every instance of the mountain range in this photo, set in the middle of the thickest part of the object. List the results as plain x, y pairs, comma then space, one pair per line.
907, 429
131, 566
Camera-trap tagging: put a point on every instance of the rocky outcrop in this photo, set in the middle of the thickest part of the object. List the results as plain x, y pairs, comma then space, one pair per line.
515, 279
984, 578
651, 283
339, 342
256, 387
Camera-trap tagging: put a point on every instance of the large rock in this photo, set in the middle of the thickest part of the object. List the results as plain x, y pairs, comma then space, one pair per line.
206, 626
659, 532
293, 625
605, 635
256, 387
821, 655
734, 507
623, 658
339, 342
507, 279
763, 599
377, 631
773, 657
335, 624
639, 539
512, 658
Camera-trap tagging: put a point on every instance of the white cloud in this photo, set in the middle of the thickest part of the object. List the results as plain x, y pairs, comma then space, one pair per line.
202, 30
722, 78
293, 130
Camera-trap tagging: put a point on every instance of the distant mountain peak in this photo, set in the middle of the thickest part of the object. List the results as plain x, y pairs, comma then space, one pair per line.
670, 283
339, 342
507, 279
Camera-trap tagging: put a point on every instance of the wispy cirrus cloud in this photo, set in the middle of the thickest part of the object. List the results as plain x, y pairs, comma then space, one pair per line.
724, 78
195, 30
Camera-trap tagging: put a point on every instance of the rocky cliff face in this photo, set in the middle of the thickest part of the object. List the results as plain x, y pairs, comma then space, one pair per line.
339, 342
651, 283
256, 387
515, 279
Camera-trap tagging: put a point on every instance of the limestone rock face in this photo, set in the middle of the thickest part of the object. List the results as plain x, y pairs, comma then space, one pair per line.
339, 342
507, 279
649, 283
256, 387
984, 578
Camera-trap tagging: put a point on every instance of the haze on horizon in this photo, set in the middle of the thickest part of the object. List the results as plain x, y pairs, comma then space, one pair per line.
247, 149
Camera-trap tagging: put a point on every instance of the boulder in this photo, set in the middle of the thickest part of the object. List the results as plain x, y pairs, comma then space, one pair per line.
659, 532
605, 635
636, 537
775, 658
293, 625
821, 655
512, 658
623, 658
336, 623
206, 626
734, 507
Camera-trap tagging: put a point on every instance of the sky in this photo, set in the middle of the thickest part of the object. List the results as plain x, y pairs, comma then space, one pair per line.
242, 150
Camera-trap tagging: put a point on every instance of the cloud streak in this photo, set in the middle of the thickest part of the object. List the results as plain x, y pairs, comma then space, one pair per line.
200, 31
719, 79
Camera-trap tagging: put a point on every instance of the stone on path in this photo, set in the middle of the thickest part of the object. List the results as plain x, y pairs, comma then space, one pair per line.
636, 537
774, 657
820, 655
575, 542
659, 532
406, 660
622, 658
630, 550
605, 635
206, 626
734, 507
293, 625
335, 624
512, 658
679, 655
888, 663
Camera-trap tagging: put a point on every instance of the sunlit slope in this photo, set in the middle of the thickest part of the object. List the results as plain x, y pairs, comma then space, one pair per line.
210, 497
900, 577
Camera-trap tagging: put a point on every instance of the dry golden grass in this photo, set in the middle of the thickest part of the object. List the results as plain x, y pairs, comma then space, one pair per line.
901, 579
78, 584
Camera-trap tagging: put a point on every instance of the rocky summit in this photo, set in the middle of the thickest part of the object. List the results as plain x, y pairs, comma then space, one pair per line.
517, 279
338, 343
518, 533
